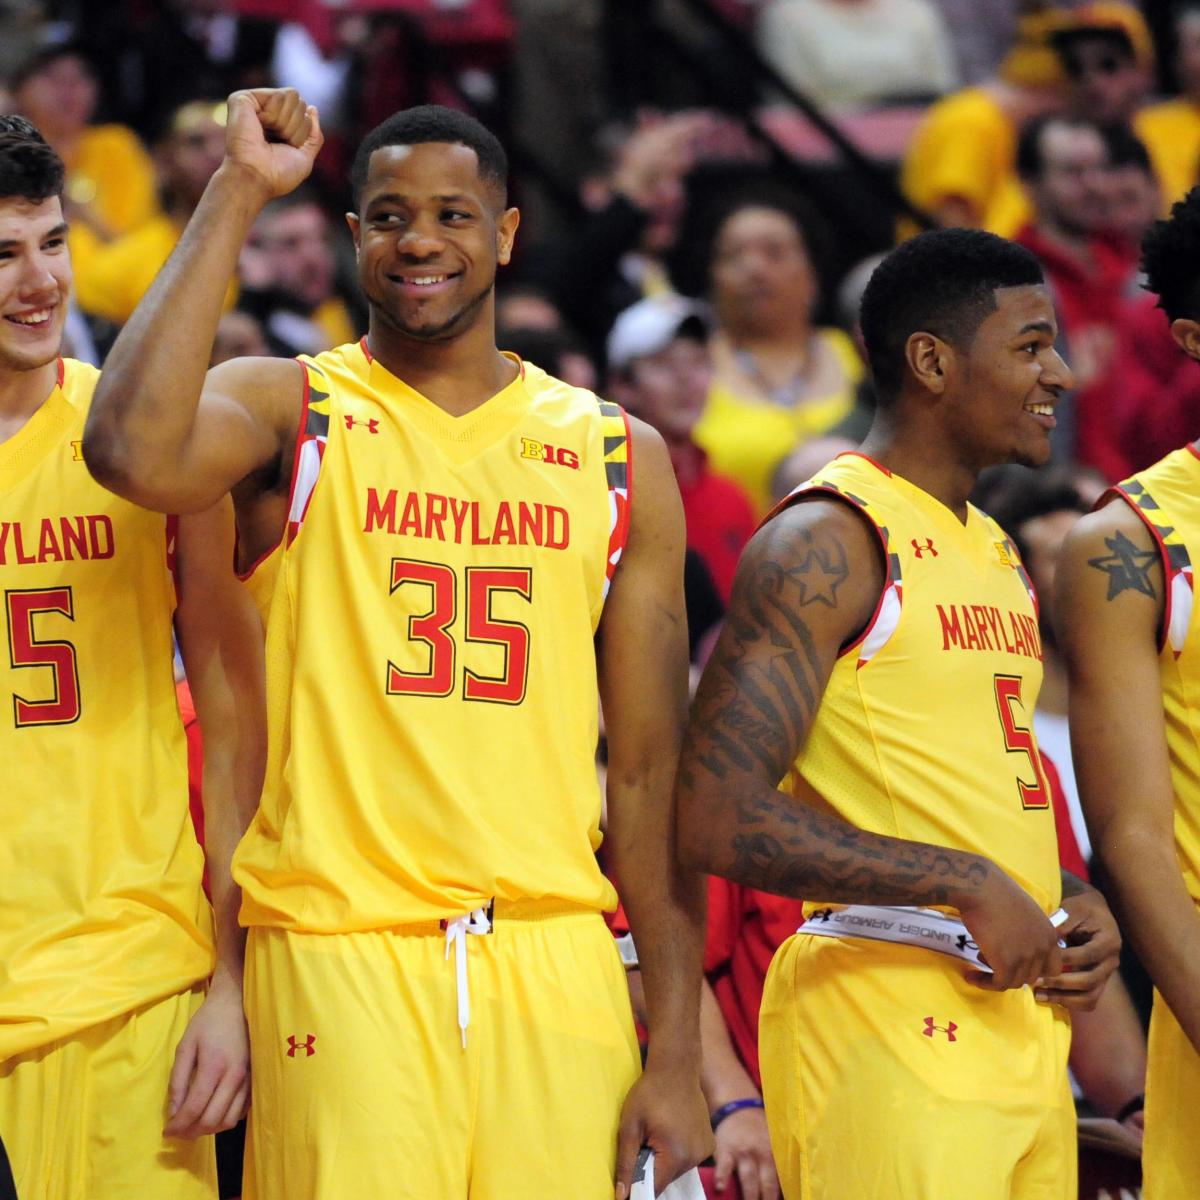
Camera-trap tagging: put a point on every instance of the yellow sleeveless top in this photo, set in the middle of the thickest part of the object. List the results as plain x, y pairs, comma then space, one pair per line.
1167, 498
925, 730
431, 673
102, 907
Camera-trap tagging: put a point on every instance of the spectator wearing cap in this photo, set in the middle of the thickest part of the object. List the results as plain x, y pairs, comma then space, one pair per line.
119, 274
110, 185
660, 369
1108, 57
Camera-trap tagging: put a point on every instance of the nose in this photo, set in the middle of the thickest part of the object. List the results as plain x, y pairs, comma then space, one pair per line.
420, 239
1057, 376
37, 279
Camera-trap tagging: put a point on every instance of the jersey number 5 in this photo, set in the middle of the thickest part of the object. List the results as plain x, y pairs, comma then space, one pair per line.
26, 650
433, 627
1018, 739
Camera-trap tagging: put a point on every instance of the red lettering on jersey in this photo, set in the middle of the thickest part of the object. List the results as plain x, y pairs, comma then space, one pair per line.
973, 642
380, 515
458, 514
1018, 629
952, 633
529, 523
56, 539
558, 531
980, 613
410, 520
504, 534
435, 514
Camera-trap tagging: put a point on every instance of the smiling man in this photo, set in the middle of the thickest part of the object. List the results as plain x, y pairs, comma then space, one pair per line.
449, 557
862, 739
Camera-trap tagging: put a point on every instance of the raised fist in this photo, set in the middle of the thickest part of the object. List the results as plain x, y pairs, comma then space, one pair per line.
274, 135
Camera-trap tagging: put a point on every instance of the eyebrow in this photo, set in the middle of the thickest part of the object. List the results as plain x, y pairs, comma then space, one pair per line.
441, 197
1036, 327
57, 231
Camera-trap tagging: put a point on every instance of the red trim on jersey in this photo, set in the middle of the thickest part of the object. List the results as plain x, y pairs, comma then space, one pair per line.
362, 341
1192, 447
300, 431
619, 538
1164, 629
172, 536
62, 371
866, 457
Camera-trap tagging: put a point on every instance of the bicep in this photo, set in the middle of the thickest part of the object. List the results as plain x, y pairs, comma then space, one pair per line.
806, 585
1109, 602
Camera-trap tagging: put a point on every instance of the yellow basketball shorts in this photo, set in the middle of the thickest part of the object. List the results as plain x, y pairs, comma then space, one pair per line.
1171, 1152
363, 1086
887, 1075
82, 1118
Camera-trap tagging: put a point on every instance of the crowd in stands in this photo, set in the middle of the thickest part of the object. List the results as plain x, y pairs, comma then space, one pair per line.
672, 256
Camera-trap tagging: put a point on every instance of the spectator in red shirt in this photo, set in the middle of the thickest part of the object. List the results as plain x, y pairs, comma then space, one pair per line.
660, 370
1063, 163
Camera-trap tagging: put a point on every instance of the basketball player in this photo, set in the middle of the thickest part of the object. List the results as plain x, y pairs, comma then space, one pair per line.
1127, 620
106, 938
861, 738
431, 990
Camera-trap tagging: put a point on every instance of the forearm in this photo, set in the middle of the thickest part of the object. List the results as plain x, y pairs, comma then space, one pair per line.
1108, 1050
722, 1076
223, 829
762, 838
146, 401
666, 909
1159, 918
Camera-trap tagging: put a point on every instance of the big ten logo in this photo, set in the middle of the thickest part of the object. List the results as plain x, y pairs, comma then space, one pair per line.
559, 456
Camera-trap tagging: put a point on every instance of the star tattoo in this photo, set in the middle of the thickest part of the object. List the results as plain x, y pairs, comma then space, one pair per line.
819, 575
1127, 567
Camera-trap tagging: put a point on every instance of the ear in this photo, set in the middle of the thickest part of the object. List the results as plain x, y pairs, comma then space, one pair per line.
1186, 333
355, 230
930, 361
506, 232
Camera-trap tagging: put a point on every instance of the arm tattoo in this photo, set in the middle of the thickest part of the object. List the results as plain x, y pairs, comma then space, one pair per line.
760, 694
1127, 567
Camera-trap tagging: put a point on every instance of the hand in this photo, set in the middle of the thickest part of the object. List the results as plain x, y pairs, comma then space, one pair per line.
281, 164
1093, 949
658, 155
1015, 938
743, 1145
210, 1081
664, 1110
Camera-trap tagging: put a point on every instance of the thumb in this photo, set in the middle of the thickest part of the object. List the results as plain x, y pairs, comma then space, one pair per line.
315, 139
629, 1142
181, 1073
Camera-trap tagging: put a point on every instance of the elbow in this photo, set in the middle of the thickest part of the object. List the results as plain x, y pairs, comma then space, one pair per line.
102, 454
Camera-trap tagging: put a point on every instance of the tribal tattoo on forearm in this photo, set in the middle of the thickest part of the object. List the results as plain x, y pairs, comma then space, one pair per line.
759, 696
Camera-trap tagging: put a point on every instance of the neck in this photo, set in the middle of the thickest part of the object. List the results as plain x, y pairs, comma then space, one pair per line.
457, 374
924, 457
1053, 696
22, 393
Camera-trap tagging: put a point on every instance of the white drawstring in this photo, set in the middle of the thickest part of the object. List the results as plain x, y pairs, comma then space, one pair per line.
475, 922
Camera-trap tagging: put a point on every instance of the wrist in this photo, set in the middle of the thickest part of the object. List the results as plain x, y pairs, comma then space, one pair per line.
733, 1106
241, 187
982, 876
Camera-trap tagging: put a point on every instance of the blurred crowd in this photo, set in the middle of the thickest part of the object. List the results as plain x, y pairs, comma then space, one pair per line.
705, 188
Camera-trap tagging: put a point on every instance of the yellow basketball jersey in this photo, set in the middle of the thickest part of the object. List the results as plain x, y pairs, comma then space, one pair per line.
925, 730
102, 908
431, 674
1167, 498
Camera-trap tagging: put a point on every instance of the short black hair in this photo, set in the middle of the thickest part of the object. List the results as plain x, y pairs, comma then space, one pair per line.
29, 167
1029, 143
44, 55
433, 123
942, 282
1171, 259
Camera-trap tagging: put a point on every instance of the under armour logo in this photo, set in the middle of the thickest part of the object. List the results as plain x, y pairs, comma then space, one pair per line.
294, 1044
372, 425
948, 1029
920, 550
821, 914
964, 943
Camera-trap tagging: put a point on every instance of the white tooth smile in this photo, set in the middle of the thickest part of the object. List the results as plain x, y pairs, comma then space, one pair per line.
1041, 410
34, 318
427, 280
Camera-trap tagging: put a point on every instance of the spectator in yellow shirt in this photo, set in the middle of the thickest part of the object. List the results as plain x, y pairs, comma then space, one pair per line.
778, 379
1171, 130
119, 274
110, 186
